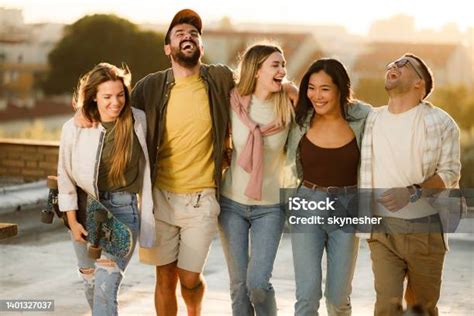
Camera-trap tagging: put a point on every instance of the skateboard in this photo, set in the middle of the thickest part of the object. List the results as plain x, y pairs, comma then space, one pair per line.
104, 230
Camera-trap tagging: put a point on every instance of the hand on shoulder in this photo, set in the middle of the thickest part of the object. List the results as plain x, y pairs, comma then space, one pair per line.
292, 91
81, 121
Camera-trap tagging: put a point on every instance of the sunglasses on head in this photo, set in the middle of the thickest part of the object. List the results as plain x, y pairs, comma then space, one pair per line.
399, 63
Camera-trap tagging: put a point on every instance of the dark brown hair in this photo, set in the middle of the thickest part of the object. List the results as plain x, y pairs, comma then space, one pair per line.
426, 72
334, 69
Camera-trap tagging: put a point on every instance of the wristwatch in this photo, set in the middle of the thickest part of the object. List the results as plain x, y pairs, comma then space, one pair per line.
415, 192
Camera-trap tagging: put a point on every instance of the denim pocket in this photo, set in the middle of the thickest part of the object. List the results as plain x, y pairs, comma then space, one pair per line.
121, 199
305, 193
127, 214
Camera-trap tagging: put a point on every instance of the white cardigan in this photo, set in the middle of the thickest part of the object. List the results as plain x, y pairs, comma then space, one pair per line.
79, 158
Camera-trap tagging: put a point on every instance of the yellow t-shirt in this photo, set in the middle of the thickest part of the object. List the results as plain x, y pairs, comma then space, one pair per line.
185, 161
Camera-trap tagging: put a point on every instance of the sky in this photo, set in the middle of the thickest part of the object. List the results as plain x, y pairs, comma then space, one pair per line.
356, 16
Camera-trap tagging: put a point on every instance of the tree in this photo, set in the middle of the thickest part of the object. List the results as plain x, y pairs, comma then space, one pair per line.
458, 101
102, 38
372, 91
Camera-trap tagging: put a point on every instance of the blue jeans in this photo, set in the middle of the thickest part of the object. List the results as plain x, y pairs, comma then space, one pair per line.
102, 286
250, 237
341, 246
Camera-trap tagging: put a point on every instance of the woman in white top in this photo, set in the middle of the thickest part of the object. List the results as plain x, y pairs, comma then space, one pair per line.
111, 163
251, 219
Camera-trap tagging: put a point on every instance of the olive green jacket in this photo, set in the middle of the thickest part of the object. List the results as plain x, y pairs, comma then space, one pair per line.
151, 94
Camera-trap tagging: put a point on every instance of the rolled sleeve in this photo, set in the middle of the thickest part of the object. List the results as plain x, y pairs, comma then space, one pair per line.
449, 164
67, 202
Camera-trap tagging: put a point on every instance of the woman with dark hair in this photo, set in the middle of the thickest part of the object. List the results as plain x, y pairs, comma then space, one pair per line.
111, 163
323, 157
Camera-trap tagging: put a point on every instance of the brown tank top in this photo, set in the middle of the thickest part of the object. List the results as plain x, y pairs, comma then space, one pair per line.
330, 166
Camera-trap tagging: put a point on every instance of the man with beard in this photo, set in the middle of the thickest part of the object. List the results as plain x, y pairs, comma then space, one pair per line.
187, 114
410, 149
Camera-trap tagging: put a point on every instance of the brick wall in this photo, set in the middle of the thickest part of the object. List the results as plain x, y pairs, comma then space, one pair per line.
28, 160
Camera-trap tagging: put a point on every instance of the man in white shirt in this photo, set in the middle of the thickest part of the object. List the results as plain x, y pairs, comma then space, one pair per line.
409, 146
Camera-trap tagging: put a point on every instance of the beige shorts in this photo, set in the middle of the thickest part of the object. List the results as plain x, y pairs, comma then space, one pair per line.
186, 223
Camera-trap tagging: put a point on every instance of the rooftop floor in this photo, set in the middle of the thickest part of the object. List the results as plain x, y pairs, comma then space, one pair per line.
39, 264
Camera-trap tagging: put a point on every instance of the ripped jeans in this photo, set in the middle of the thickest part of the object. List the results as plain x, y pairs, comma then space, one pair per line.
101, 279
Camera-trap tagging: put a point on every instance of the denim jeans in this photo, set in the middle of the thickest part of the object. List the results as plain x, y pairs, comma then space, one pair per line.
341, 246
102, 286
250, 237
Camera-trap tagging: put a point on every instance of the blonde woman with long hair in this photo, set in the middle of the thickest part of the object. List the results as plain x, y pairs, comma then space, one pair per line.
251, 219
110, 162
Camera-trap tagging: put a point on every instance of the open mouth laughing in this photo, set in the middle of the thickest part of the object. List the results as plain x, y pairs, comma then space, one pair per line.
187, 45
278, 80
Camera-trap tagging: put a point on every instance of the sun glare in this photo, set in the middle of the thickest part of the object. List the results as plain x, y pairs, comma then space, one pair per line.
356, 17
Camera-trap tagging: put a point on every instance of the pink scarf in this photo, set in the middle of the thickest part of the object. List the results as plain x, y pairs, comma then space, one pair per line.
251, 158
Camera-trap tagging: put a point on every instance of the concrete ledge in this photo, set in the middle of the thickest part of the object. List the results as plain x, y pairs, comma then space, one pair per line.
8, 230
33, 142
18, 197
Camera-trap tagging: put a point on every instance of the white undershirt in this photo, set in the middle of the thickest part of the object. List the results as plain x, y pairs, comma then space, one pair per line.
398, 142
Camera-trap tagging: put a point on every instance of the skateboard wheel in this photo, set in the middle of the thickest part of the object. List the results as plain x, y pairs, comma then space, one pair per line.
52, 182
94, 252
100, 216
47, 216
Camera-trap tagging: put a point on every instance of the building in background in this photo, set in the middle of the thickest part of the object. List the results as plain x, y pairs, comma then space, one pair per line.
24, 50
225, 46
451, 63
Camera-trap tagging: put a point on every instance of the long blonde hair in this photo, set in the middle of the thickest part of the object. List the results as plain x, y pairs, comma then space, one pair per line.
251, 61
84, 99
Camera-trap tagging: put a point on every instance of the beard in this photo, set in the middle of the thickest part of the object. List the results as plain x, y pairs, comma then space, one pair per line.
389, 86
186, 61
397, 86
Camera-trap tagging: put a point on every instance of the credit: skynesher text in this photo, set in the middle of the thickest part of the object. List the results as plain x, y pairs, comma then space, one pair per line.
333, 220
